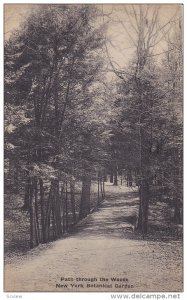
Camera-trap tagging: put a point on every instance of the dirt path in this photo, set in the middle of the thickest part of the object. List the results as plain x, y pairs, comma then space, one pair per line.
104, 254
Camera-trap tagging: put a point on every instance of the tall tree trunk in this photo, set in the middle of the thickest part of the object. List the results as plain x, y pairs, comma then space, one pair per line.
121, 177
72, 190
55, 83
85, 197
103, 189
144, 193
26, 197
66, 207
139, 223
42, 209
116, 177
177, 193
31, 209
129, 178
58, 210
63, 208
111, 177
144, 206
98, 194
37, 228
105, 176
48, 214
53, 217
177, 213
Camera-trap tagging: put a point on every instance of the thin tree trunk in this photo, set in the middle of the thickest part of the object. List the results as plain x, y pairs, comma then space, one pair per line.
144, 207
66, 208
37, 228
176, 183
26, 197
85, 197
111, 178
115, 177
37, 240
31, 208
139, 225
58, 211
72, 190
103, 189
144, 181
105, 177
129, 178
53, 199
42, 209
98, 195
48, 215
63, 212
177, 213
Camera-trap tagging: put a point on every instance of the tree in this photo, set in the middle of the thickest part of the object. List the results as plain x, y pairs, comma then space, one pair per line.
57, 57
50, 66
143, 107
172, 77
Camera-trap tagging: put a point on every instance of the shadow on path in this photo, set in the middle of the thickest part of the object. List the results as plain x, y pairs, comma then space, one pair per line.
103, 244
115, 217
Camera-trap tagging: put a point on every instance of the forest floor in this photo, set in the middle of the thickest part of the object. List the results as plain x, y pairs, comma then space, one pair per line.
104, 253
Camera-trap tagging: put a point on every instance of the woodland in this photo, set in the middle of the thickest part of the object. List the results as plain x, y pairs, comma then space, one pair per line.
75, 118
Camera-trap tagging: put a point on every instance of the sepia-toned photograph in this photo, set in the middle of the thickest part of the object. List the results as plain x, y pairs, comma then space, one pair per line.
93, 148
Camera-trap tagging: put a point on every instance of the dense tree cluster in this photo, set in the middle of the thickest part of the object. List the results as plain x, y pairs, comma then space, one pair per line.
64, 122
54, 102
147, 132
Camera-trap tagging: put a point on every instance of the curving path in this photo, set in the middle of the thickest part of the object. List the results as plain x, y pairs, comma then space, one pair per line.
102, 254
